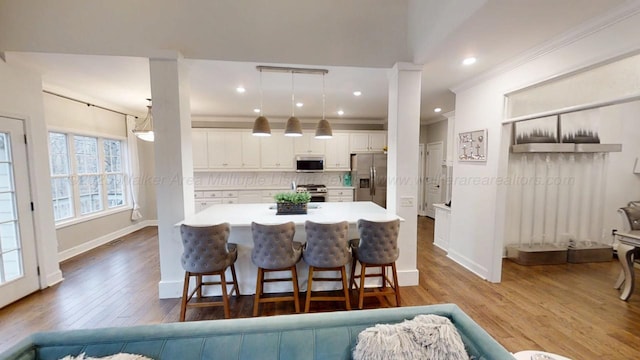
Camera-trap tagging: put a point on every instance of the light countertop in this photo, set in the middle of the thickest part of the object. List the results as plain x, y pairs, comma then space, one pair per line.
326, 212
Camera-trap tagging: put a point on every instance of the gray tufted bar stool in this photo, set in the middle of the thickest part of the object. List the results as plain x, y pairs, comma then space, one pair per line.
206, 253
327, 249
376, 248
274, 250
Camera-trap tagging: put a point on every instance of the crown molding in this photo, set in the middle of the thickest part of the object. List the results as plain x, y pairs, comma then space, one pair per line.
584, 30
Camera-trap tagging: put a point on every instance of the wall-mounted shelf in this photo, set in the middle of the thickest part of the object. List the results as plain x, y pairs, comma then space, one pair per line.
565, 148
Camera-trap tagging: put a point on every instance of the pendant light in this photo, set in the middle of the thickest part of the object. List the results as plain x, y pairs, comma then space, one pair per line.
261, 124
144, 129
323, 130
293, 127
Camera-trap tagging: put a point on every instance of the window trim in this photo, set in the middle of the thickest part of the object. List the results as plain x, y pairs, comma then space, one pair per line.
77, 217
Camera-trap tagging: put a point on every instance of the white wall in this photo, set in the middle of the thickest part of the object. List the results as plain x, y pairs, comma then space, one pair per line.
477, 218
21, 97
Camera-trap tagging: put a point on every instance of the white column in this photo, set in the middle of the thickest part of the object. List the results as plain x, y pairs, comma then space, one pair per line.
170, 92
402, 165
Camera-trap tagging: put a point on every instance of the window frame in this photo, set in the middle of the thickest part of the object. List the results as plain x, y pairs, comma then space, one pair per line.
77, 216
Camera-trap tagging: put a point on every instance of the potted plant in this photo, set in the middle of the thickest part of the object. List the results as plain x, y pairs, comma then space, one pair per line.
289, 203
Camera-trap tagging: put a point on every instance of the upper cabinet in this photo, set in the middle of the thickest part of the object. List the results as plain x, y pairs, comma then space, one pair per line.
222, 150
308, 144
199, 148
276, 151
374, 141
337, 153
238, 150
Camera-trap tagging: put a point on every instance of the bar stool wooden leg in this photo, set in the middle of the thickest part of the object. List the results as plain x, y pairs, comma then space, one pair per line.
256, 302
395, 283
185, 293
225, 296
352, 281
363, 272
296, 296
345, 288
199, 285
235, 280
307, 302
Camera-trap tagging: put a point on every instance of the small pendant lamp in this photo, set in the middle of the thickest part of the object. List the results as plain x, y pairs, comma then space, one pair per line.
144, 129
293, 127
323, 130
261, 124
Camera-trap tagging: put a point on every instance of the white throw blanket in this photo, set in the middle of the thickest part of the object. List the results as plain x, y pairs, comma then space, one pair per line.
424, 337
120, 356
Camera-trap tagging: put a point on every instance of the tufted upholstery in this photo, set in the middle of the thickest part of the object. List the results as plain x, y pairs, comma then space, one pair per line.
206, 249
206, 252
631, 217
378, 243
376, 248
275, 250
327, 244
273, 246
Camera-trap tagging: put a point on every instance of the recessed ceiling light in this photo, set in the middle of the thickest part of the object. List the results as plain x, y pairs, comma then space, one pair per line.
437, 109
340, 112
357, 93
256, 110
240, 89
469, 61
299, 104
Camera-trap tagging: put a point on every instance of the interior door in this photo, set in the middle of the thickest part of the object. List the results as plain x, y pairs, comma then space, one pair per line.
18, 264
434, 177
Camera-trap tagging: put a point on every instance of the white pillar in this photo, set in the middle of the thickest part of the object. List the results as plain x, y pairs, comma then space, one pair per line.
402, 164
170, 90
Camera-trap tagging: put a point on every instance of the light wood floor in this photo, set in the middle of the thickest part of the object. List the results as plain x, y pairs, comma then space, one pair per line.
567, 309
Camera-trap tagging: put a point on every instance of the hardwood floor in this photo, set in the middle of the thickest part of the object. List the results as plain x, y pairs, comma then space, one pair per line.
569, 309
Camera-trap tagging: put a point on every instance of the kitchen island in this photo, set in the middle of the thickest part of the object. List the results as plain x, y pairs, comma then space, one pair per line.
240, 217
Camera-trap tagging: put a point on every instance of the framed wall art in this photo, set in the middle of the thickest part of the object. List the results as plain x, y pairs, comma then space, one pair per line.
472, 145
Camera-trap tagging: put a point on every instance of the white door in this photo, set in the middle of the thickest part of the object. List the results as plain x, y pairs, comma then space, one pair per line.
18, 264
434, 177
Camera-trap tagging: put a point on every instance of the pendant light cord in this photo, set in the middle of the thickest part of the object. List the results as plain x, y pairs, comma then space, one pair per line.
292, 97
323, 96
260, 92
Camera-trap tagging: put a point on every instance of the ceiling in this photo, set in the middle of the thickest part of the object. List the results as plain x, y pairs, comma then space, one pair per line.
440, 37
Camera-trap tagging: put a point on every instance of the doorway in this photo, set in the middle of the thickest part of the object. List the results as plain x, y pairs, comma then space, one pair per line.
18, 263
434, 177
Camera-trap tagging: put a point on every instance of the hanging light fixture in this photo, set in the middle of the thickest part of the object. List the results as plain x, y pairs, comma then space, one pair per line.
144, 129
293, 127
261, 124
323, 130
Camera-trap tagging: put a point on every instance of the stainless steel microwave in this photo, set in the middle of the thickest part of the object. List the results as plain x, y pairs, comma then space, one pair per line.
309, 163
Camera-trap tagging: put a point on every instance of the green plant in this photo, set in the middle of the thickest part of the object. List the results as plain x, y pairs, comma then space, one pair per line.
293, 197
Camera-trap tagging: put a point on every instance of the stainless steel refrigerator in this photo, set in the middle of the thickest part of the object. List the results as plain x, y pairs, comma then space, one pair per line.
369, 177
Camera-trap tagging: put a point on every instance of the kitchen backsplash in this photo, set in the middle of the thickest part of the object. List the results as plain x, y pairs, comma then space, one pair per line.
259, 180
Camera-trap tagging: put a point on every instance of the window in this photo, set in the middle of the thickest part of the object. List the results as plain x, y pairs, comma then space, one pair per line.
87, 175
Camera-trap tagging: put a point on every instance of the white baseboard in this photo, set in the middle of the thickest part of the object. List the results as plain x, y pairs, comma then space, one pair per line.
408, 277
170, 289
468, 264
53, 278
92, 244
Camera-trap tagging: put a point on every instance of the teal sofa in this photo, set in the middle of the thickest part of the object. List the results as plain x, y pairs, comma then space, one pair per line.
304, 336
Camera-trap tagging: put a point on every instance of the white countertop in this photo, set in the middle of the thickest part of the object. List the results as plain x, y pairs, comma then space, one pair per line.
327, 212
442, 206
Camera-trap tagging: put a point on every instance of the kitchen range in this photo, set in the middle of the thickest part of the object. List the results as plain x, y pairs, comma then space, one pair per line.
318, 192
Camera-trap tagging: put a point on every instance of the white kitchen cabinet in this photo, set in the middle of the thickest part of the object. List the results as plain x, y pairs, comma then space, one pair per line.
276, 152
308, 144
249, 196
337, 153
250, 151
340, 195
222, 150
368, 141
199, 148
441, 230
